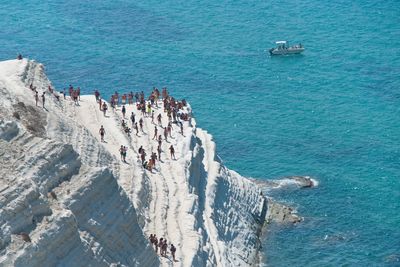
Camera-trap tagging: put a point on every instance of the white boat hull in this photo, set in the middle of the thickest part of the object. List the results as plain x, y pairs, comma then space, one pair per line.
289, 51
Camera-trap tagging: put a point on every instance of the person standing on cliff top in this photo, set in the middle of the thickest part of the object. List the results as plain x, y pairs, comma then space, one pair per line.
97, 95
43, 99
102, 133
123, 111
172, 151
78, 94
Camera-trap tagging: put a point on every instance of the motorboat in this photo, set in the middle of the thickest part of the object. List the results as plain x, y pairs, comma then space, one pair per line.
283, 48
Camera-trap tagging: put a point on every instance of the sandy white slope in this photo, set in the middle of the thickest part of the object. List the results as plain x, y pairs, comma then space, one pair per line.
211, 214
88, 220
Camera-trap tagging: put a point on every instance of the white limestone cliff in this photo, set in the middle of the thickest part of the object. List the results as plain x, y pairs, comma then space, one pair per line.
78, 204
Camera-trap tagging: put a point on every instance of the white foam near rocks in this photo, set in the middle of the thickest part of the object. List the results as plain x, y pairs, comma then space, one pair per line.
81, 205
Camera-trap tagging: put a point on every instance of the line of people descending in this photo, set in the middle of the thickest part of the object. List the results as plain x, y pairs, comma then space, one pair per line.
162, 245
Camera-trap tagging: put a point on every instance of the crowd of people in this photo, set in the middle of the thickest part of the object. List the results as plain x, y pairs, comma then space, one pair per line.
162, 246
172, 108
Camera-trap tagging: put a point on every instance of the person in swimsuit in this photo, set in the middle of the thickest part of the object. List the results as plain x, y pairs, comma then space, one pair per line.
43, 99
159, 119
172, 151
173, 250
133, 118
36, 97
104, 108
155, 133
123, 111
102, 133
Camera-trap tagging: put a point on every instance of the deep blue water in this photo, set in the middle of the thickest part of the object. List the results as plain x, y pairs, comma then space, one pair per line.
332, 113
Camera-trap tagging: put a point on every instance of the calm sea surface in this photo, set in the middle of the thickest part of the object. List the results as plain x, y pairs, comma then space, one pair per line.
332, 113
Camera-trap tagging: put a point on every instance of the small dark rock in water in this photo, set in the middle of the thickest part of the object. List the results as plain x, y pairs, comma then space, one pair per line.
303, 181
25, 237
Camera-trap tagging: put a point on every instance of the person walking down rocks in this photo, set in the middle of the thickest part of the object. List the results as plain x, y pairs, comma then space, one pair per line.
166, 134
122, 151
172, 151
36, 97
155, 133
160, 243
159, 152
133, 118
141, 125
159, 119
102, 133
136, 128
104, 108
155, 243
173, 250
164, 248
43, 99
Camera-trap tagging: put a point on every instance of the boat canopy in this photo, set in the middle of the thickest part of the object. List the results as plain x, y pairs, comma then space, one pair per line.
280, 42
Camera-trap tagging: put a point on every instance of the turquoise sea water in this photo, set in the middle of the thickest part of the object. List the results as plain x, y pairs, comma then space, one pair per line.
332, 113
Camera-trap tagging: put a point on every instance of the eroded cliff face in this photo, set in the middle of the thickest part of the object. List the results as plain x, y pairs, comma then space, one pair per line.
58, 204
67, 199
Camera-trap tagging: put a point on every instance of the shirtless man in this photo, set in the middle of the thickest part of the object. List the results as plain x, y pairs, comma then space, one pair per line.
104, 108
